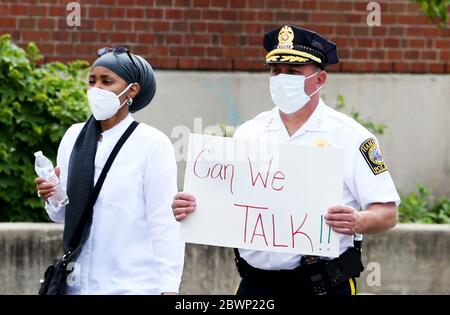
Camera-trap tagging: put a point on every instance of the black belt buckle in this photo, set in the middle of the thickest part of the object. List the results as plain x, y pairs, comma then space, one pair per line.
309, 260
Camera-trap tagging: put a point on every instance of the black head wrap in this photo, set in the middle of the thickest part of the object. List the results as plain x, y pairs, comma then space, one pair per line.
138, 72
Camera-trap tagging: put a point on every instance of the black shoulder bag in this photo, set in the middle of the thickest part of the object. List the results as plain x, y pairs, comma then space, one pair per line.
55, 276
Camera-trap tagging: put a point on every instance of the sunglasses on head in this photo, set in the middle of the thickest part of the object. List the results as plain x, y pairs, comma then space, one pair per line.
117, 51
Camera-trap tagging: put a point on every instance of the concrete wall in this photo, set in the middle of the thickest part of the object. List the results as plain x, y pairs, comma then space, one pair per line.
415, 108
26, 249
410, 259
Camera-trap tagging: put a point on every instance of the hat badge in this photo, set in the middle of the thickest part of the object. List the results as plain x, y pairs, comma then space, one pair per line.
286, 38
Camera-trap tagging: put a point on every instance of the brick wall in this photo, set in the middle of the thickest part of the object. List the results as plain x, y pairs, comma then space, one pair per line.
227, 34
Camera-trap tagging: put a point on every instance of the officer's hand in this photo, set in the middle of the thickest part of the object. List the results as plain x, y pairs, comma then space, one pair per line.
46, 189
343, 219
183, 204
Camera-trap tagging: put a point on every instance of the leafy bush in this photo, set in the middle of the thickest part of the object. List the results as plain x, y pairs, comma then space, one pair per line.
435, 10
222, 130
422, 207
37, 105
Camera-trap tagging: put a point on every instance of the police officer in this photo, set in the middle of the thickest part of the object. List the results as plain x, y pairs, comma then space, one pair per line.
297, 59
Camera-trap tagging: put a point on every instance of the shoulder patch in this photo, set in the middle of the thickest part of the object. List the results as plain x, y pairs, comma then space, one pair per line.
372, 155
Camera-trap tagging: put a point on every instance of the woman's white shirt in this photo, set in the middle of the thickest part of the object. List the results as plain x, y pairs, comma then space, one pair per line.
133, 246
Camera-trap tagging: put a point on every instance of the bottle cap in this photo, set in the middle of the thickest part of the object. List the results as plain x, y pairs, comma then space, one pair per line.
38, 153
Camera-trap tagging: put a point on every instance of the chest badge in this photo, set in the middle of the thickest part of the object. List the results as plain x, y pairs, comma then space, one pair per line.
321, 143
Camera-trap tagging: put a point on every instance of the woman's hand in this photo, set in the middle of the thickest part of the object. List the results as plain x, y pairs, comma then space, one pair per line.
46, 189
183, 204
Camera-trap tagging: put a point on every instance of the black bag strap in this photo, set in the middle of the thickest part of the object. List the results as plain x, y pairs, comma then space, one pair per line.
236, 253
83, 228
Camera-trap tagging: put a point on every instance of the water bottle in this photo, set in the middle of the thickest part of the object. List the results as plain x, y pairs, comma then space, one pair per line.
44, 168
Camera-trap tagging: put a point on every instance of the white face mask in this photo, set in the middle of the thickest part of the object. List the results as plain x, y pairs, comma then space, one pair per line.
288, 91
103, 103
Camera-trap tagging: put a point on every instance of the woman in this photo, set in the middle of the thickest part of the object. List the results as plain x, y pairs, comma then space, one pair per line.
133, 246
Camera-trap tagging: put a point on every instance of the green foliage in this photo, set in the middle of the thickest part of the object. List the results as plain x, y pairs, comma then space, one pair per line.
37, 105
223, 130
435, 10
374, 127
422, 207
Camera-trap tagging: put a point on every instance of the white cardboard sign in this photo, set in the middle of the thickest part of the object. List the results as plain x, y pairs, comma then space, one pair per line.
263, 196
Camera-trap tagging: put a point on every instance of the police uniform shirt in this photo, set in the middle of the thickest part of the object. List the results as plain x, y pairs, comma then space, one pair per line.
366, 179
133, 246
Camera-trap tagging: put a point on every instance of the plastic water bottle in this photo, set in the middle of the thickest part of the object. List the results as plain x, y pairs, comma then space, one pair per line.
44, 168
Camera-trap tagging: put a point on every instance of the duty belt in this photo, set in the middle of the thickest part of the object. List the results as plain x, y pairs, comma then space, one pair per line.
321, 273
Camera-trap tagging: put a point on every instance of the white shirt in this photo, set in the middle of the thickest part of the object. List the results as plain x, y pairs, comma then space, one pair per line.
133, 246
325, 127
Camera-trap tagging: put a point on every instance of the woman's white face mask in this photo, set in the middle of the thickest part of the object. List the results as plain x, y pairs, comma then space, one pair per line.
103, 103
288, 91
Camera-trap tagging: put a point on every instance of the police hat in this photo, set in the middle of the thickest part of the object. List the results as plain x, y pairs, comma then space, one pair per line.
295, 45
